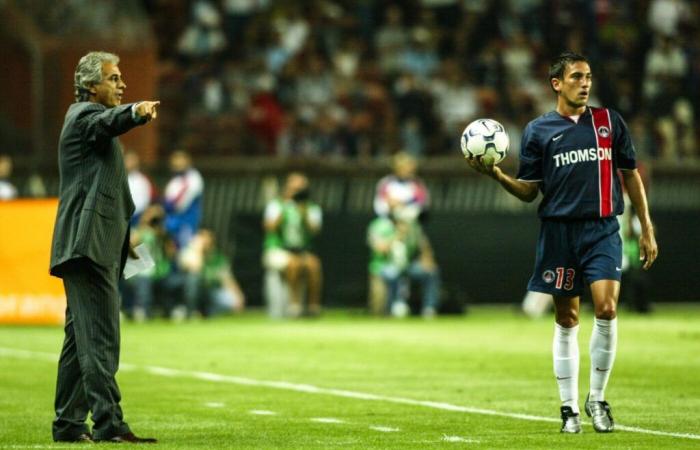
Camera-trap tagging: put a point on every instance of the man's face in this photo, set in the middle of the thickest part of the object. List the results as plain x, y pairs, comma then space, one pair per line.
575, 85
295, 183
5, 166
131, 161
179, 162
109, 91
405, 168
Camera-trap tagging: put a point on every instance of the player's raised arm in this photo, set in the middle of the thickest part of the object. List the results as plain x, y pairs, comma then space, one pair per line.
524, 190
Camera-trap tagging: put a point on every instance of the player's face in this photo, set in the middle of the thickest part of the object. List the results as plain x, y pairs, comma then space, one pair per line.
575, 86
109, 91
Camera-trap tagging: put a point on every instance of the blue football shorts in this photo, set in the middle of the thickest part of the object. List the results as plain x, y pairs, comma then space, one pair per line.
570, 253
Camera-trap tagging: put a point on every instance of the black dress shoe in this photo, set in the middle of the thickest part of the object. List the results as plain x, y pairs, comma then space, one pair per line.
129, 438
83, 438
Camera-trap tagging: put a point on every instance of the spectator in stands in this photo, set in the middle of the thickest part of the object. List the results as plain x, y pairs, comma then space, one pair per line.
183, 199
666, 67
456, 98
665, 16
7, 189
401, 253
203, 37
402, 187
636, 292
310, 59
391, 39
159, 284
210, 285
141, 188
291, 222
676, 132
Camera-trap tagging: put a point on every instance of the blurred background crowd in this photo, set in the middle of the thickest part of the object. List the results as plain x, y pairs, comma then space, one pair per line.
252, 90
361, 78
333, 78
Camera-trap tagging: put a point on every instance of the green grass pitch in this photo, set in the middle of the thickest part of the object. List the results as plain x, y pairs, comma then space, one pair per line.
349, 381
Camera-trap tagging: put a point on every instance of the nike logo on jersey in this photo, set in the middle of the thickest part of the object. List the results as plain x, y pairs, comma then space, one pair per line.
563, 378
601, 370
582, 155
556, 138
619, 269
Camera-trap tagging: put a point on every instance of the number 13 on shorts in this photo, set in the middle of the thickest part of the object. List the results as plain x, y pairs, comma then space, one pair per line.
565, 278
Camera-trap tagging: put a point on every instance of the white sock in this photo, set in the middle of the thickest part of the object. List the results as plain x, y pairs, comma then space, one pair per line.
565, 352
603, 347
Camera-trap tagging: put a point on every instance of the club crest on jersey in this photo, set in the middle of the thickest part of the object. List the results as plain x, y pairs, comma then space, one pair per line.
603, 131
548, 276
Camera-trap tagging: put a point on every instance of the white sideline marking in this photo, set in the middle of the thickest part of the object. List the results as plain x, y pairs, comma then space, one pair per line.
214, 404
326, 420
384, 429
15, 353
262, 412
447, 438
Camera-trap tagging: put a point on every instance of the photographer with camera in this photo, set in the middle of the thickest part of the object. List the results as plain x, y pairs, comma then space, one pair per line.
291, 222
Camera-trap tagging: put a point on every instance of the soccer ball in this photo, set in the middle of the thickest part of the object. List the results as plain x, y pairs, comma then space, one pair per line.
486, 138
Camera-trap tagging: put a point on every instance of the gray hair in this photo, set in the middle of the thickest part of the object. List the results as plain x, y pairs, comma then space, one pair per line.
89, 72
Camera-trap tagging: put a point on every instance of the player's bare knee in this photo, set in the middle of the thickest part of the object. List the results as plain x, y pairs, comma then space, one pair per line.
567, 322
607, 311
567, 318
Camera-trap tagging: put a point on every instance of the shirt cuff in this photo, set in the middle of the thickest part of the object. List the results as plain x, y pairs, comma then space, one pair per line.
136, 117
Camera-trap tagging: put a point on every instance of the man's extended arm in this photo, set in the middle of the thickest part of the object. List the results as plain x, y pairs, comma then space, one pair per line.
101, 123
524, 190
648, 249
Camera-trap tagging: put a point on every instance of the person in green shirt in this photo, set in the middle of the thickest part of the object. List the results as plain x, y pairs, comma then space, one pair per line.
633, 277
210, 285
291, 222
160, 281
400, 252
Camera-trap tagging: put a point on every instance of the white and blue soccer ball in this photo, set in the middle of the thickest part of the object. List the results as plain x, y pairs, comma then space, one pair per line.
486, 138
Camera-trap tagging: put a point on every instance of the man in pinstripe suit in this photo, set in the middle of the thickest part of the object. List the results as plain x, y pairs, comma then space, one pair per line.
89, 249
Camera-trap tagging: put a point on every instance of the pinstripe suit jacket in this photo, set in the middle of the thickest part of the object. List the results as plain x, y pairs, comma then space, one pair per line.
94, 201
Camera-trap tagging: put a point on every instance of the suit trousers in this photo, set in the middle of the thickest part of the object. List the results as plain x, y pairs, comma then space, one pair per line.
90, 356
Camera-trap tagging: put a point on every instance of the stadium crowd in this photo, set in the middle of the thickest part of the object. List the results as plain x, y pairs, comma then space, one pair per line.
340, 78
191, 275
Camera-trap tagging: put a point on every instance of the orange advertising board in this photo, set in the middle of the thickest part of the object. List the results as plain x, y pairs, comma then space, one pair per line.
28, 294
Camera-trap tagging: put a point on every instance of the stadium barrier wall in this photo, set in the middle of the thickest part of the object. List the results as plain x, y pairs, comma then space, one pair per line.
28, 294
484, 239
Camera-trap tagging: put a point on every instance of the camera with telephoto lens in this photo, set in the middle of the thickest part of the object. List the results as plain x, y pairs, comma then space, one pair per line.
302, 195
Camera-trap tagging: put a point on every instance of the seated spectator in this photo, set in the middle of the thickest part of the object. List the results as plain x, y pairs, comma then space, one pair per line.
183, 199
160, 282
403, 187
290, 223
401, 253
210, 285
203, 37
141, 188
7, 189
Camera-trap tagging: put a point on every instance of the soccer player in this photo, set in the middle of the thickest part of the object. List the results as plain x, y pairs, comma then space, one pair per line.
572, 155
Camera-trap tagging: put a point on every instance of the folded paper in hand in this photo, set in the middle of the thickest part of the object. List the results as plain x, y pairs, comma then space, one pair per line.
136, 265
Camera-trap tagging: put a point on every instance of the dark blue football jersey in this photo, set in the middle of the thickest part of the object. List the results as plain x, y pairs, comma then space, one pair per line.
576, 163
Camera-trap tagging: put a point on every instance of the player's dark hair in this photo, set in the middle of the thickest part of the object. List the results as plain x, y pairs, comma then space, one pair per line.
559, 63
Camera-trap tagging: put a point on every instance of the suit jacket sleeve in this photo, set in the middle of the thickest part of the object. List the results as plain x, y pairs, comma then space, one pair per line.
100, 124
